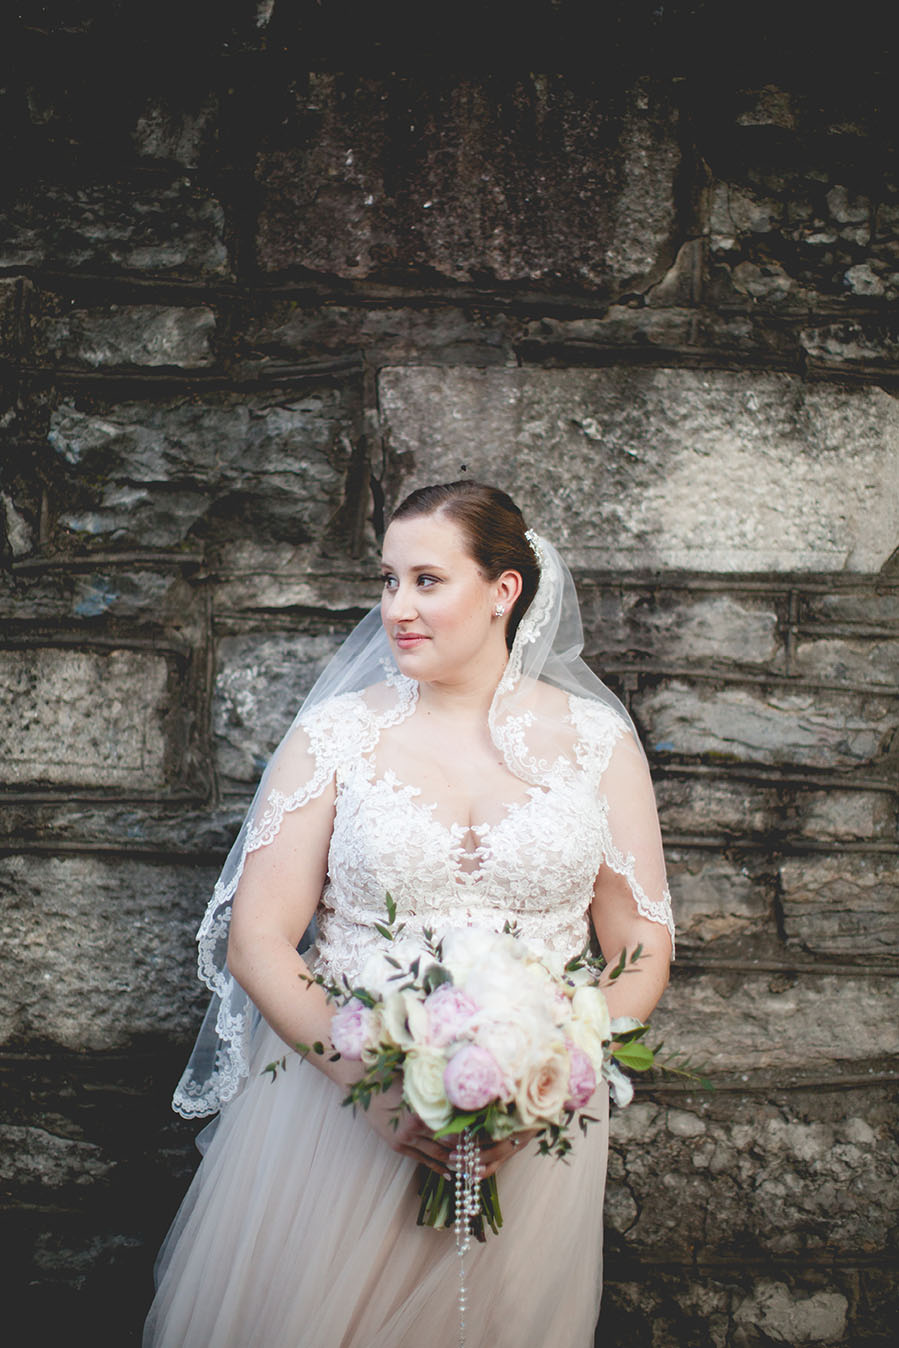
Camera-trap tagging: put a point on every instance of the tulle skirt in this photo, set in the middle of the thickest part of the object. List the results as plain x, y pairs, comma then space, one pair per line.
299, 1232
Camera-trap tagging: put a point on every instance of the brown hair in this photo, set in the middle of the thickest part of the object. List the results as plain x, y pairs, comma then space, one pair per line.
494, 529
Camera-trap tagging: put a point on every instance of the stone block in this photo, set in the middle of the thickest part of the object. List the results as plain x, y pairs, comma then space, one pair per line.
774, 1311
780, 1024
849, 607
843, 816
181, 130
158, 595
715, 805
715, 1179
679, 626
525, 181
714, 896
724, 1178
174, 826
99, 951
658, 326
176, 230
841, 904
808, 728
263, 577
736, 1307
158, 474
128, 335
84, 718
858, 661
853, 344
260, 683
36, 1162
285, 332
637, 469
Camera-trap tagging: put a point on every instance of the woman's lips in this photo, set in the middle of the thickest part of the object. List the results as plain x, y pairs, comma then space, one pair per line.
408, 640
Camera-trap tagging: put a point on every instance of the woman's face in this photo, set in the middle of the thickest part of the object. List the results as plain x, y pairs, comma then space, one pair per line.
437, 608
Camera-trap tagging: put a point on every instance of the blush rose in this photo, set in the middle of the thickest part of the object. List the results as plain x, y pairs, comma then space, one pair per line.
472, 1078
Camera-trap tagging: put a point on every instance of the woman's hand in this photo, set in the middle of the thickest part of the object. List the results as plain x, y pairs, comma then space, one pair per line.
496, 1154
404, 1131
411, 1138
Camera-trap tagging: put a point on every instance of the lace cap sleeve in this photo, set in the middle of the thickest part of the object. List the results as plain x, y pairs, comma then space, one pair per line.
304, 764
611, 756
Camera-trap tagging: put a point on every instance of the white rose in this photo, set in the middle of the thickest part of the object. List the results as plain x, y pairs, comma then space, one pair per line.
589, 1006
405, 1021
587, 1039
423, 1087
542, 1094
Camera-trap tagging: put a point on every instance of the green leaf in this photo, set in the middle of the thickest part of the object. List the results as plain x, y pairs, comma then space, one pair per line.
619, 966
457, 1124
391, 908
384, 931
636, 1056
435, 976
628, 1036
279, 1065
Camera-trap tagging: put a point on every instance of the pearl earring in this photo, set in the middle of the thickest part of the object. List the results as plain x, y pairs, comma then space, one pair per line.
499, 610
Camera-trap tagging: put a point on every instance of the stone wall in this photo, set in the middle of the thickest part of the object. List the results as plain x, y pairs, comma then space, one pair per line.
247, 302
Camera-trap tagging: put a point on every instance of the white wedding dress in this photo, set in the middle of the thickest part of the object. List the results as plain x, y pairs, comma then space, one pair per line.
299, 1230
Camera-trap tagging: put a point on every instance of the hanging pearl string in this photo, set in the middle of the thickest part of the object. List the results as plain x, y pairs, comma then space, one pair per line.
467, 1178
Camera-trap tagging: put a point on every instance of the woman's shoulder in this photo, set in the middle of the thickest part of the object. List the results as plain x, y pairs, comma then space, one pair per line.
602, 731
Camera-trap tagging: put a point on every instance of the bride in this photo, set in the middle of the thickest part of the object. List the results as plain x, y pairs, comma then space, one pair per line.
458, 754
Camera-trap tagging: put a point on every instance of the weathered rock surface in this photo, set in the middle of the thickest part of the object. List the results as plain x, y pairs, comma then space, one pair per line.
158, 474
842, 904
512, 179
807, 1024
260, 684
714, 896
100, 951
174, 229
680, 626
123, 335
707, 1171
107, 726
641, 469
752, 725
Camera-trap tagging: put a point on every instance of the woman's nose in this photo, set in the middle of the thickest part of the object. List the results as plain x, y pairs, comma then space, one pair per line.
400, 604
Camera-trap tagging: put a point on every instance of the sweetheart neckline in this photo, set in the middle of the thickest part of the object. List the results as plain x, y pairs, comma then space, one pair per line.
394, 783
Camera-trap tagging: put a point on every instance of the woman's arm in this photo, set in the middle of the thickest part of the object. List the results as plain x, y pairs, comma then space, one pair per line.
275, 900
617, 920
274, 904
620, 927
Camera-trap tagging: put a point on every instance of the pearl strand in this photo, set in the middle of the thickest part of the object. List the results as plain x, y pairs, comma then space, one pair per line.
468, 1174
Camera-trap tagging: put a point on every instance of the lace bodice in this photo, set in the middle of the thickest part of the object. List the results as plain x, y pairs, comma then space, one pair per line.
535, 866
582, 800
386, 839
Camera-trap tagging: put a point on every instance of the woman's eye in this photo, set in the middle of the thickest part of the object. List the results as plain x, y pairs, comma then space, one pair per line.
427, 581
389, 582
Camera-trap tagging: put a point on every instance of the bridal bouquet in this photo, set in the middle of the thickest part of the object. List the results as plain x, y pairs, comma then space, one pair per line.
490, 1036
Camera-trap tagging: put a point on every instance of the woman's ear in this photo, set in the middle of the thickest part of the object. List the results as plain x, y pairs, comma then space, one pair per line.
508, 588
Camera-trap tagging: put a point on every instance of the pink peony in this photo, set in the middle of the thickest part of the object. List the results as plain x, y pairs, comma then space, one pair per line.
472, 1078
449, 1011
349, 1027
581, 1078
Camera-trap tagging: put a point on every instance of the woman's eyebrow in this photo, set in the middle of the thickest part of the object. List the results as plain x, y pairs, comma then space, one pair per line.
421, 566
